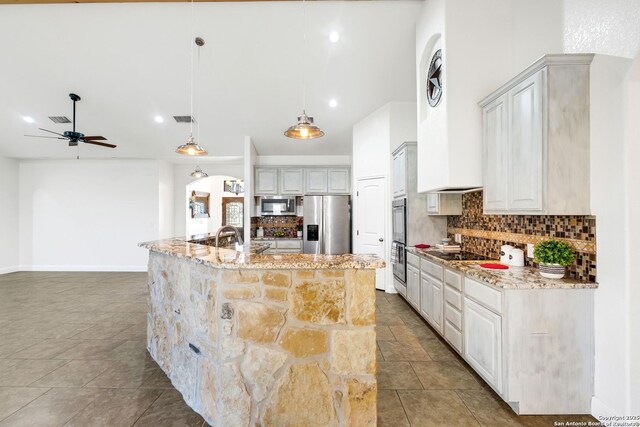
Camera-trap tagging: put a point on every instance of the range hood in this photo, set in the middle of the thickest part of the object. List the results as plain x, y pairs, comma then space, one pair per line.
462, 190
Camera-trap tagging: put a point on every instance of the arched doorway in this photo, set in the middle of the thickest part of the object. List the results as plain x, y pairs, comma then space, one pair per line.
212, 202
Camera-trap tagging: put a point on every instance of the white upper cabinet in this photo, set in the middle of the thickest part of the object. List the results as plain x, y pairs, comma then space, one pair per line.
291, 181
266, 181
339, 180
536, 140
298, 181
494, 117
316, 181
399, 170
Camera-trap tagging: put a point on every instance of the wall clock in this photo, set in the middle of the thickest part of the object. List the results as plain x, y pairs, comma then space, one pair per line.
434, 79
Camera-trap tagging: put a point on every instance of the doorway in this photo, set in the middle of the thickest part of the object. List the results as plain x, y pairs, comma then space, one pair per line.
370, 222
224, 204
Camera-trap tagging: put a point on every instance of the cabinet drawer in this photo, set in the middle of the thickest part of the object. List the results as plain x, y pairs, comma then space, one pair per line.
453, 297
413, 259
400, 287
287, 251
453, 336
289, 244
453, 316
490, 298
432, 269
453, 278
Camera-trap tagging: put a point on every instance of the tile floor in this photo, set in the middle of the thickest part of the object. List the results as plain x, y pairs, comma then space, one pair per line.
72, 353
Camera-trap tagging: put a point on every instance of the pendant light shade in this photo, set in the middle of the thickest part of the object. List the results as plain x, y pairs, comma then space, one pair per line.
305, 129
199, 173
191, 148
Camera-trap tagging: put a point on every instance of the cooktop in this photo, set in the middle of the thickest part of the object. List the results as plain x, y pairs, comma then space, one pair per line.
460, 256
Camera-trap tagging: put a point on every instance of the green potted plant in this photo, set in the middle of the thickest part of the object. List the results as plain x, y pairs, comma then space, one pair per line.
552, 257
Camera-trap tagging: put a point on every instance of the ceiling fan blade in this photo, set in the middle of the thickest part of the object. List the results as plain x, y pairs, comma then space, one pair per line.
41, 136
50, 131
95, 138
99, 143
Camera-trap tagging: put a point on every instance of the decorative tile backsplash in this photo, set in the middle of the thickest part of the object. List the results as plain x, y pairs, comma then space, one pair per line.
484, 234
271, 224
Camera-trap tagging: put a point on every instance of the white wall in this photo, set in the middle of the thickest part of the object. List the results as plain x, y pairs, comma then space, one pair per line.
182, 177
403, 125
613, 28
87, 215
214, 186
9, 216
166, 202
303, 160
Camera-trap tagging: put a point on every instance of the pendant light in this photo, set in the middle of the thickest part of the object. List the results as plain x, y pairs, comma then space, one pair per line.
199, 173
304, 129
192, 148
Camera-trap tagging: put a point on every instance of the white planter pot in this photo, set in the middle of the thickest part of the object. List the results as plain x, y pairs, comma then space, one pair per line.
299, 233
552, 271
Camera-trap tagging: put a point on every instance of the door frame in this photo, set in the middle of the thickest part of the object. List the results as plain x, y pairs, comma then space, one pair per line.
388, 271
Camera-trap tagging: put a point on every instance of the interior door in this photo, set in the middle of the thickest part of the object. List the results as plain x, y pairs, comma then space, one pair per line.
370, 211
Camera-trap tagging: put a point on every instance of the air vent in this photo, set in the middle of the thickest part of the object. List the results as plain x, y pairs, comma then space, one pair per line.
59, 119
184, 119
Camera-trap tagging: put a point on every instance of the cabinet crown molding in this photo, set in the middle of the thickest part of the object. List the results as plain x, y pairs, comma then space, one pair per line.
544, 61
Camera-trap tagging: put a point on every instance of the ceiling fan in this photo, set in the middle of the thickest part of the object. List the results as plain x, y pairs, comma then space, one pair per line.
72, 136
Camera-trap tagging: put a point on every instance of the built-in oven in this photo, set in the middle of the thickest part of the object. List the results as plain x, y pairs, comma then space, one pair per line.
277, 206
399, 261
399, 220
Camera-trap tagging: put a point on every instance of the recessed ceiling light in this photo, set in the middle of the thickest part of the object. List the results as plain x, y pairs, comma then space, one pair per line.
333, 103
334, 37
159, 119
28, 119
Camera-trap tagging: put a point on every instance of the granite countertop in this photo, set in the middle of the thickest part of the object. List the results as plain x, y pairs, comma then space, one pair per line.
250, 258
513, 278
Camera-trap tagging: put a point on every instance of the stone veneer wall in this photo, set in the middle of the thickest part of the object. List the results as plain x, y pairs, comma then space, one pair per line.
266, 347
484, 234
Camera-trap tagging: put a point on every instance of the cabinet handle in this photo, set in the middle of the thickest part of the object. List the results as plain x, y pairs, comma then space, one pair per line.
381, 240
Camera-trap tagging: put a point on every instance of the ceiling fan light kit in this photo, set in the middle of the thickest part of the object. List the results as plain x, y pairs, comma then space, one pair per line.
304, 129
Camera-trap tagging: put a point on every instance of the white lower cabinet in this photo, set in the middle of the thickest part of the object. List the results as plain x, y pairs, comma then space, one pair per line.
283, 246
483, 342
515, 339
413, 286
425, 297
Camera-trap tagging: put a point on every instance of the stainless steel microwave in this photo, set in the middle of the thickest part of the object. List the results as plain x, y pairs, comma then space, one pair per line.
277, 206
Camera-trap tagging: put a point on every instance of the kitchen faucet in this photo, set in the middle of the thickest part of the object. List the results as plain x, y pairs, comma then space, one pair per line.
239, 240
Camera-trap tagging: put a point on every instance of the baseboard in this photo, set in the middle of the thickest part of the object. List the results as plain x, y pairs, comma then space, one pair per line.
7, 270
97, 268
599, 409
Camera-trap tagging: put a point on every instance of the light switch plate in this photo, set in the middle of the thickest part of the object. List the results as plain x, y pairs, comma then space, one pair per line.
530, 250
458, 238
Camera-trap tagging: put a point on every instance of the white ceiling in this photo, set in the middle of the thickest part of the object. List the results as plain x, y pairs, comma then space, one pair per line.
130, 62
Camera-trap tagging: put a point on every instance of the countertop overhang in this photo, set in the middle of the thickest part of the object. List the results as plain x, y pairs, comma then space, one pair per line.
248, 258
513, 278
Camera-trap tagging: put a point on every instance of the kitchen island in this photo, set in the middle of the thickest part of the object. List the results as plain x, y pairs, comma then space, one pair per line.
271, 340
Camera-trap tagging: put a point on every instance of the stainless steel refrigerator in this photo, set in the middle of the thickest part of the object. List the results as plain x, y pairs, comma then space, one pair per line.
327, 225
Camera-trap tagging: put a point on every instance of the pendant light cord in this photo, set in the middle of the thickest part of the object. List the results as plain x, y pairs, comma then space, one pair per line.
304, 57
199, 97
191, 41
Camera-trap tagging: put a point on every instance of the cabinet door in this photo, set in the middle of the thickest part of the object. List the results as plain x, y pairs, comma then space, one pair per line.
339, 180
433, 203
483, 342
525, 145
425, 296
266, 181
437, 313
413, 286
400, 173
315, 181
291, 181
495, 153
